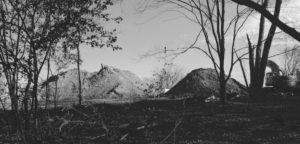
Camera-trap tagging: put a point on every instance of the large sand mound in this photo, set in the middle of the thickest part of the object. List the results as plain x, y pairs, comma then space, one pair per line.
108, 82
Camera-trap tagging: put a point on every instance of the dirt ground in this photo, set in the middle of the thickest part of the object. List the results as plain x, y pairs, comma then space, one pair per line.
168, 121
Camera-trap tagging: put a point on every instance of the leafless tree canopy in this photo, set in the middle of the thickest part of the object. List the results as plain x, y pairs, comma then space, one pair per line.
218, 29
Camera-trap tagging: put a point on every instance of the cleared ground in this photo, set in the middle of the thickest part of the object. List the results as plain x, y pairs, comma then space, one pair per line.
169, 121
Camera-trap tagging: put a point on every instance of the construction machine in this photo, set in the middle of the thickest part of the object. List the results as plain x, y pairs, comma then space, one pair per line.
278, 79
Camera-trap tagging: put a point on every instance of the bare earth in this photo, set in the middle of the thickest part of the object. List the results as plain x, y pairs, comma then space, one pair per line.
168, 121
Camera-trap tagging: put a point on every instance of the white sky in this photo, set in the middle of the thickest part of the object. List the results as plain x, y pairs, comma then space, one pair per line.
143, 32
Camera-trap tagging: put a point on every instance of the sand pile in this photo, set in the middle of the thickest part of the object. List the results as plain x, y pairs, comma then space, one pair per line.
204, 83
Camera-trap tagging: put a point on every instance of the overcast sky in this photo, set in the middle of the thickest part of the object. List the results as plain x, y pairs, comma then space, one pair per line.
140, 33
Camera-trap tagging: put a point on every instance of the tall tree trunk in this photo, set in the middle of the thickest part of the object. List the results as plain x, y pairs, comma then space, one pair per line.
79, 78
223, 80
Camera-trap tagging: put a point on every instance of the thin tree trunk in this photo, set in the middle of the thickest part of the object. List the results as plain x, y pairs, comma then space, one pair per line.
55, 94
14, 103
25, 103
79, 78
47, 86
35, 91
3, 105
244, 73
35, 100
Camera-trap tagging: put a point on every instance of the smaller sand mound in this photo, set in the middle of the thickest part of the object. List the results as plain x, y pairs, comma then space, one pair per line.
204, 83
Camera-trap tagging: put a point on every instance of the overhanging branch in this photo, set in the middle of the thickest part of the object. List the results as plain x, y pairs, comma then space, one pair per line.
284, 27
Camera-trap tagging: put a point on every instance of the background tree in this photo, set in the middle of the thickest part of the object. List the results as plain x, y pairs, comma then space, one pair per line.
163, 79
291, 61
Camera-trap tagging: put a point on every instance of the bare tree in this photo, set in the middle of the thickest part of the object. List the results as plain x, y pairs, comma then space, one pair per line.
259, 53
217, 29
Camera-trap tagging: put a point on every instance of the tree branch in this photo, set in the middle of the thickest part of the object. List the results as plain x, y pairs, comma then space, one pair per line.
276, 21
